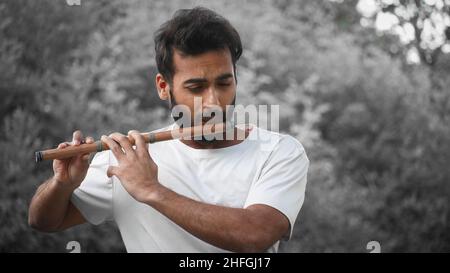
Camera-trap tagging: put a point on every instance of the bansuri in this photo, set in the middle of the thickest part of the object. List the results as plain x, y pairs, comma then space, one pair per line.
149, 137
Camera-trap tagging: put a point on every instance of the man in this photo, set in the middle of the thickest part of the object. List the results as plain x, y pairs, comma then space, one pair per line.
184, 195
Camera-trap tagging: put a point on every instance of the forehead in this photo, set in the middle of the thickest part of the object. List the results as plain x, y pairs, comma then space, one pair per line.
205, 65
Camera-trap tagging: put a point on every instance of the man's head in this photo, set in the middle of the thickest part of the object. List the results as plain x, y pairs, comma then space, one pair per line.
196, 55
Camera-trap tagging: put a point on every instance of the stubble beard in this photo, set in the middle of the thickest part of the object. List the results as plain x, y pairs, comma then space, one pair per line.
226, 119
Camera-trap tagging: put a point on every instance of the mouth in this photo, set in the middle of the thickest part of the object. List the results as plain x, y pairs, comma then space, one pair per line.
207, 117
205, 120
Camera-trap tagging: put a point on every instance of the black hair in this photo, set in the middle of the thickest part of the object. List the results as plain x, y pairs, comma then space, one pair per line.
192, 32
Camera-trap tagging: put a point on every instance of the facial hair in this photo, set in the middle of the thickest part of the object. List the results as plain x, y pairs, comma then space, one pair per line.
227, 117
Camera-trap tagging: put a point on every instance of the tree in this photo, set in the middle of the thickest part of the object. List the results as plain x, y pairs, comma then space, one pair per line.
424, 26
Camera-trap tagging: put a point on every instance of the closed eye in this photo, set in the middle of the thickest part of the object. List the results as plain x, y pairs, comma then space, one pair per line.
195, 89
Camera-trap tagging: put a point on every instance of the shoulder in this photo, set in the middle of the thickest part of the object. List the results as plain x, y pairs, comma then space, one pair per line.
275, 142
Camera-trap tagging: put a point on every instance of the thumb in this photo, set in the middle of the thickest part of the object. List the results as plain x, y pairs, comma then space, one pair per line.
111, 171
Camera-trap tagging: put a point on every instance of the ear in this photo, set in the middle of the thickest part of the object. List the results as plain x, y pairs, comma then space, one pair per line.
163, 87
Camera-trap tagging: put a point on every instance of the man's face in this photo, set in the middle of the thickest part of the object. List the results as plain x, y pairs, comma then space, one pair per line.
209, 76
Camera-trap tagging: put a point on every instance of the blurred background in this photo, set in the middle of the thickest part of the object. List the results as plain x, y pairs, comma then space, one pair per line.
364, 85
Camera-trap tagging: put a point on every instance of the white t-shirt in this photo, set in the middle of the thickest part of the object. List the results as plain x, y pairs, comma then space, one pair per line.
266, 168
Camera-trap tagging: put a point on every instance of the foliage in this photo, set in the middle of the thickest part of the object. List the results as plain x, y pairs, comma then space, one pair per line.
374, 126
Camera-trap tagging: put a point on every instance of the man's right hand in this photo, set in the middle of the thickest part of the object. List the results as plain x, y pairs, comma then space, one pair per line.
72, 171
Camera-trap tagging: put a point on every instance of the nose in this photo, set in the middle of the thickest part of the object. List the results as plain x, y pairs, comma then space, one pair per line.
211, 98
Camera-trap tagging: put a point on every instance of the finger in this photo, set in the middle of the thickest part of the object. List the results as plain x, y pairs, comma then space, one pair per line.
90, 140
80, 161
114, 147
124, 142
141, 146
77, 137
111, 171
88, 157
62, 145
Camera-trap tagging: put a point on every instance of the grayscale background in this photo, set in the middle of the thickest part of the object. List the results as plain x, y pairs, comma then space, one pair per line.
364, 85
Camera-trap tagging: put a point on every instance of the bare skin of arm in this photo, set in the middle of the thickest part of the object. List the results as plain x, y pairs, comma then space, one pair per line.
253, 229
50, 209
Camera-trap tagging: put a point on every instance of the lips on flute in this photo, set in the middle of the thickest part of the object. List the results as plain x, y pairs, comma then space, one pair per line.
149, 137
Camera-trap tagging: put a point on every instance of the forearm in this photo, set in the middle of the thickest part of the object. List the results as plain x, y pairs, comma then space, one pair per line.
49, 205
233, 229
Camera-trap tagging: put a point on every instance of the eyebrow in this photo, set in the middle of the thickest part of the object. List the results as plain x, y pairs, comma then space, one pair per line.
224, 77
203, 80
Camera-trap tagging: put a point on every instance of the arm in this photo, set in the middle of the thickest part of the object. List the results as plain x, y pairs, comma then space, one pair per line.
253, 229
50, 209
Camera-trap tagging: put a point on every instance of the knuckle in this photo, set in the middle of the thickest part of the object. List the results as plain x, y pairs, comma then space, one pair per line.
136, 135
122, 138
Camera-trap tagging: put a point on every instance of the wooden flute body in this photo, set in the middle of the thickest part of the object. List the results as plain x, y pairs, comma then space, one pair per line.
149, 137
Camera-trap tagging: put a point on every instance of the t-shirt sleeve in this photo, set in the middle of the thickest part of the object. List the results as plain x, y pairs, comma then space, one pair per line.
93, 197
282, 181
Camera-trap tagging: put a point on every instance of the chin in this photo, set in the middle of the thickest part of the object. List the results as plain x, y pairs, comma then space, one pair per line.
205, 141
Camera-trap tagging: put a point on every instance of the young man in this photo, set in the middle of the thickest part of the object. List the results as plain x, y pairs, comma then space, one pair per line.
184, 195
